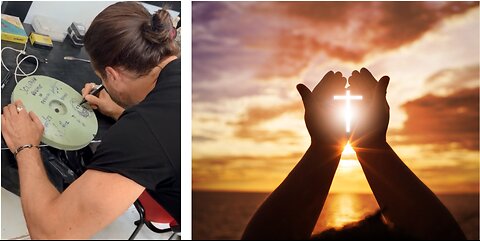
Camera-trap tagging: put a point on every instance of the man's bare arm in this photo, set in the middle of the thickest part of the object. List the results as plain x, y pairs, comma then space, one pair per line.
89, 204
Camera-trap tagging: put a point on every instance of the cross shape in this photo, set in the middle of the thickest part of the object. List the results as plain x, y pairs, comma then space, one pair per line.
347, 97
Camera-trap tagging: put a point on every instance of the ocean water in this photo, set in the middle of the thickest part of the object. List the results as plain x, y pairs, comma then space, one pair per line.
224, 215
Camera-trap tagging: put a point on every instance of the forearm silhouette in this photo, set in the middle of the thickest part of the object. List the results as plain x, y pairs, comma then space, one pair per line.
292, 210
405, 200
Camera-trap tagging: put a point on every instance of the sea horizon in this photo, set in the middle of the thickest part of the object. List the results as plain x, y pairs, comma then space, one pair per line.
224, 214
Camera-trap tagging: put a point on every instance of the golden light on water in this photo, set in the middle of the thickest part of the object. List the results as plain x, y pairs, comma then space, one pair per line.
346, 211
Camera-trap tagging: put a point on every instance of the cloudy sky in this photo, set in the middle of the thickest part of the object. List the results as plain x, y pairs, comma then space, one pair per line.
248, 128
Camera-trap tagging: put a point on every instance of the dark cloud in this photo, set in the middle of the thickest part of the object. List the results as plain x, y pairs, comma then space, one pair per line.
208, 11
349, 31
403, 23
216, 39
271, 39
220, 61
444, 119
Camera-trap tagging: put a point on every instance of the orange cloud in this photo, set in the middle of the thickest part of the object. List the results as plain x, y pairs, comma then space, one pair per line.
462, 177
447, 81
349, 31
444, 120
262, 135
223, 160
240, 168
247, 125
259, 114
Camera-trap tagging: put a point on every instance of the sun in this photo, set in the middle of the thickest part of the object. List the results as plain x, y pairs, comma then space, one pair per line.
349, 161
348, 150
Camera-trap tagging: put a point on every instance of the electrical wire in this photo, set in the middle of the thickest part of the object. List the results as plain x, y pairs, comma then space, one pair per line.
17, 68
18, 63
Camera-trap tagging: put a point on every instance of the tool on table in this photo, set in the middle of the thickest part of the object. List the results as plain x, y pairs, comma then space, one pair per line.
6, 78
74, 58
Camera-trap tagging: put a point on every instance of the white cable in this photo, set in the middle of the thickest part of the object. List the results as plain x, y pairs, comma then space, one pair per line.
1, 53
17, 67
23, 73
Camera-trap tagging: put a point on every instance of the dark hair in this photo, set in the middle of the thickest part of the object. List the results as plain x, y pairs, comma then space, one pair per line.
373, 227
126, 35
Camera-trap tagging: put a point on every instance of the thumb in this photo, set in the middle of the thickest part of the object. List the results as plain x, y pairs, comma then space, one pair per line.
304, 93
381, 89
36, 120
88, 87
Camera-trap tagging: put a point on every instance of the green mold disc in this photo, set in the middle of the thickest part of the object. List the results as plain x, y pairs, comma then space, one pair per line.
68, 126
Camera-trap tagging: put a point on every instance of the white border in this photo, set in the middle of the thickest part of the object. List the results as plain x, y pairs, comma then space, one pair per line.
186, 170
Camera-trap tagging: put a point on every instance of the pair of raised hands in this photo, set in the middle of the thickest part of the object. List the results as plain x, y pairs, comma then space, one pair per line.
372, 112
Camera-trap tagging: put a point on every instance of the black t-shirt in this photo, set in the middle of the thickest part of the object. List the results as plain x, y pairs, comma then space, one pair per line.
144, 144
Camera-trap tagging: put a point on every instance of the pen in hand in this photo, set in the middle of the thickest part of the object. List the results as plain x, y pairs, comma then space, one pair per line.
94, 92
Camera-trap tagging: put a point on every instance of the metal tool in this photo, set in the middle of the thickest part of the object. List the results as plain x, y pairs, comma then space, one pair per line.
74, 58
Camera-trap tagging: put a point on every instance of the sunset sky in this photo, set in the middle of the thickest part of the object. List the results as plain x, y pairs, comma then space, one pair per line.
248, 127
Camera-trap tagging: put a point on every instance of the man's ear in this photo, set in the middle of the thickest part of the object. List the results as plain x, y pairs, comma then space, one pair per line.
112, 74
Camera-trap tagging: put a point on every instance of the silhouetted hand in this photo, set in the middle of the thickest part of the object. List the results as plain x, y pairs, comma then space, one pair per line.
397, 190
320, 108
373, 111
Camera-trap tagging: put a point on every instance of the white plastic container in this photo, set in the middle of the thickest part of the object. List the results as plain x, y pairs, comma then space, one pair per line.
48, 26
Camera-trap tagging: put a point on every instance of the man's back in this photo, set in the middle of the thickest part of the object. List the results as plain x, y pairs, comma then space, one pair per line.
144, 145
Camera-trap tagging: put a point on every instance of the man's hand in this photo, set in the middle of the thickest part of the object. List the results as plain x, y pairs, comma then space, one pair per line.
103, 102
320, 108
373, 111
19, 127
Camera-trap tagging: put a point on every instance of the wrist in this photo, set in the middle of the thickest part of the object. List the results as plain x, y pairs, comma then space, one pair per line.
331, 147
25, 151
117, 112
370, 146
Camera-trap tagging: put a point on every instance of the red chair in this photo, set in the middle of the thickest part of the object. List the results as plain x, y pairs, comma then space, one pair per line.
151, 211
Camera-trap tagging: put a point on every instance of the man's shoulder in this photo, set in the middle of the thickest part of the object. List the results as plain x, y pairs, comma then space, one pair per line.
130, 127
154, 112
129, 119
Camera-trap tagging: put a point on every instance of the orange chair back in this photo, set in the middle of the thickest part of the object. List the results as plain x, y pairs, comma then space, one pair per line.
154, 212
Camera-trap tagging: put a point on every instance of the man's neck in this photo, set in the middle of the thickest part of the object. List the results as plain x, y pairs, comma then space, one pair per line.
151, 78
166, 61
